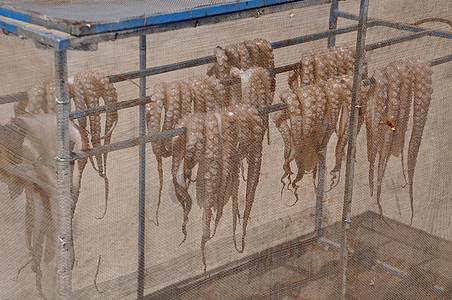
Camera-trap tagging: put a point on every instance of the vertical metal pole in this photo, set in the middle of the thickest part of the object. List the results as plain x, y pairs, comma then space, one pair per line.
322, 164
333, 22
63, 162
349, 171
142, 174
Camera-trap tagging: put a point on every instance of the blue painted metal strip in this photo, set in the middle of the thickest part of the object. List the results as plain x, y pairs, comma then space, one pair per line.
168, 18
214, 10
271, 2
14, 15
107, 27
10, 28
15, 28
244, 5
153, 20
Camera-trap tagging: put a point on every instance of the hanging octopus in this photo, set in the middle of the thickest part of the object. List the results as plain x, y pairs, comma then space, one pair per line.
256, 88
301, 127
243, 56
33, 138
212, 142
89, 87
342, 88
177, 99
396, 86
85, 88
319, 66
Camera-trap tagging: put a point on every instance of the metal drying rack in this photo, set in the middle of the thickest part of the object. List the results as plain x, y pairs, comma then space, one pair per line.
62, 35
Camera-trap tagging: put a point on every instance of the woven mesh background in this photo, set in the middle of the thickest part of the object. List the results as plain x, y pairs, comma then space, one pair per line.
274, 264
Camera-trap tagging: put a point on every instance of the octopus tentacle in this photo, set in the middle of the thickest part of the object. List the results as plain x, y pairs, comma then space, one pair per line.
295, 119
280, 119
254, 159
178, 170
172, 110
401, 123
344, 93
380, 91
392, 109
228, 136
422, 97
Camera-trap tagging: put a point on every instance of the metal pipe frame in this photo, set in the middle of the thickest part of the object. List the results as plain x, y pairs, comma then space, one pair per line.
142, 176
330, 34
62, 42
351, 150
63, 163
404, 27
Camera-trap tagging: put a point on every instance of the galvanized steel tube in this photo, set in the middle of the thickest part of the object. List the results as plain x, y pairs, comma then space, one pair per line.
350, 165
63, 163
142, 174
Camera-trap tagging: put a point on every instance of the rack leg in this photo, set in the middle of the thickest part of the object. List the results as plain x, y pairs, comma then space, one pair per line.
349, 171
333, 22
65, 245
142, 174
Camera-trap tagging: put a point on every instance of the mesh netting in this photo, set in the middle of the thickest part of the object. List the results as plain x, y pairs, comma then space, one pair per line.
233, 213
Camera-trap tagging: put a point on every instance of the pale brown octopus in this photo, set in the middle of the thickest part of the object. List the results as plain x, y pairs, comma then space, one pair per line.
313, 112
89, 87
212, 142
301, 127
319, 66
85, 89
342, 88
243, 56
174, 100
34, 144
396, 86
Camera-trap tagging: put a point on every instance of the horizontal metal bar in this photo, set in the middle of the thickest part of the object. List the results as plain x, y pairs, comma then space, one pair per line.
405, 27
163, 69
107, 108
128, 143
398, 26
205, 60
210, 59
440, 60
443, 34
155, 137
271, 108
316, 36
397, 40
21, 96
278, 70
40, 35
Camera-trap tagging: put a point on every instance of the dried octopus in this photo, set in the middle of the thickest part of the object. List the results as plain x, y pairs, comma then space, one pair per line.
317, 67
342, 88
32, 141
301, 127
314, 112
332, 69
243, 56
85, 88
396, 86
213, 141
174, 100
